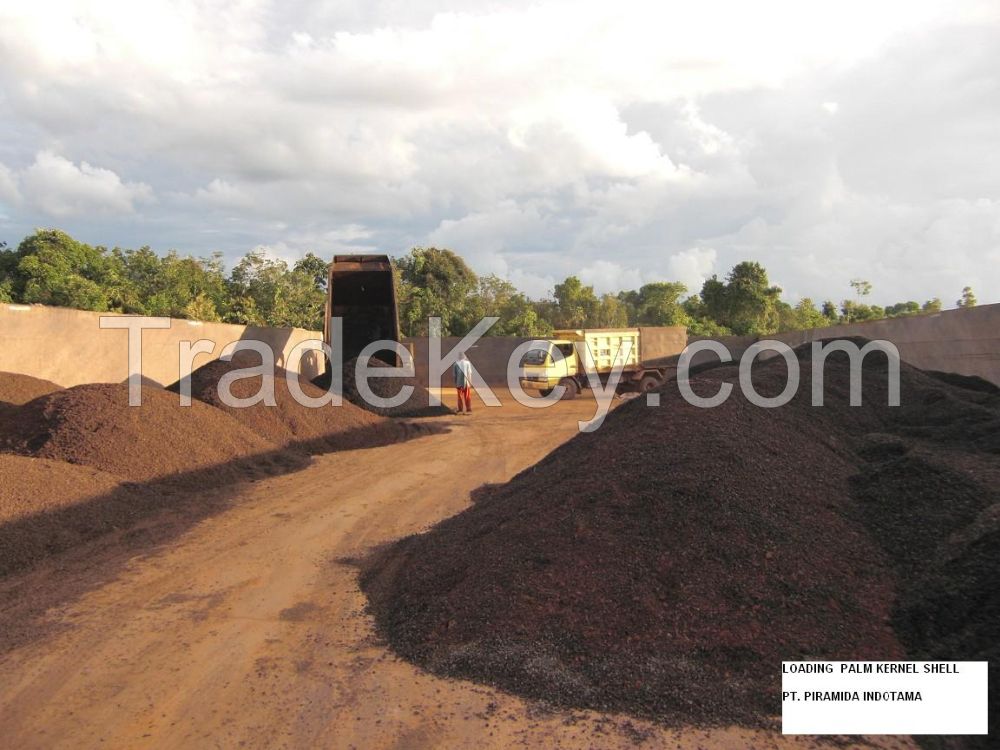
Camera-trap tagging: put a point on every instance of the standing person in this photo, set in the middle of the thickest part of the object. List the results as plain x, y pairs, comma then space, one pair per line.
462, 370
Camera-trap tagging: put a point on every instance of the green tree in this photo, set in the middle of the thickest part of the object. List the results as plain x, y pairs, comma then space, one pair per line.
830, 312
201, 308
968, 298
610, 312
706, 327
520, 318
264, 291
698, 320
714, 304
576, 304
861, 288
630, 301
491, 296
140, 277
932, 305
901, 309
242, 309
301, 302
54, 269
852, 312
746, 303
801, 317
856, 311
499, 298
434, 282
658, 304
169, 285
547, 311
316, 267
8, 266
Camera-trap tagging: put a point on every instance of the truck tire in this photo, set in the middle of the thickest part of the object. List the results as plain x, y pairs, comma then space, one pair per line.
571, 388
648, 383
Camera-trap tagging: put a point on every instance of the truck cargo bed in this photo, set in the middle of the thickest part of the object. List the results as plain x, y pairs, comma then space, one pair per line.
361, 292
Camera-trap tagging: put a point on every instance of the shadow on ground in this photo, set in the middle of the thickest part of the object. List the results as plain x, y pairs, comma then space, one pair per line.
53, 557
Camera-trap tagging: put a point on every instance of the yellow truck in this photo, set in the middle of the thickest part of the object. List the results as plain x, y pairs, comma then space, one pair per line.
568, 357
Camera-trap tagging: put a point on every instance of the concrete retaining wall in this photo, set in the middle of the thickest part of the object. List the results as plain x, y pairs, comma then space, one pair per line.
735, 344
962, 341
69, 347
489, 356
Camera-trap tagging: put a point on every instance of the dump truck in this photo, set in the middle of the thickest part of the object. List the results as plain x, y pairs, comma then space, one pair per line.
568, 357
360, 290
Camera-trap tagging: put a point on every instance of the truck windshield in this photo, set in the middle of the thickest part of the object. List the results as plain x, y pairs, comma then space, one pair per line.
536, 357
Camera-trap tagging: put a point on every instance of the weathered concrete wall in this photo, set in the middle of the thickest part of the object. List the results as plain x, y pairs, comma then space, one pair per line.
489, 356
69, 347
735, 344
962, 341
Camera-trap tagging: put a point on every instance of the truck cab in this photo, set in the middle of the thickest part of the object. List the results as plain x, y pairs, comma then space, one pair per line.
543, 368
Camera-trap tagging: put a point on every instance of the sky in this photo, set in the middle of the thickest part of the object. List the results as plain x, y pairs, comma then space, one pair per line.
623, 142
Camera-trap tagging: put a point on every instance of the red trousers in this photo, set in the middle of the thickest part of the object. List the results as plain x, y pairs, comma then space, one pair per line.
464, 394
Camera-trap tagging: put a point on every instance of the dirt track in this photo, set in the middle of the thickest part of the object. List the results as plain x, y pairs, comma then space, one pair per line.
248, 628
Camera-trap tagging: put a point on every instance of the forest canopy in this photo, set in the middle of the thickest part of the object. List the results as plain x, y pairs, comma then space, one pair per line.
52, 268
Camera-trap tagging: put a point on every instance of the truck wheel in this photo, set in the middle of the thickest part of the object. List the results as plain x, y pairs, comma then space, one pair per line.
571, 388
648, 383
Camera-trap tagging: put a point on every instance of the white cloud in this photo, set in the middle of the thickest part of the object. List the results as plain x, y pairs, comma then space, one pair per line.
608, 276
346, 239
279, 251
58, 187
224, 194
9, 192
536, 286
625, 143
586, 134
693, 267
509, 226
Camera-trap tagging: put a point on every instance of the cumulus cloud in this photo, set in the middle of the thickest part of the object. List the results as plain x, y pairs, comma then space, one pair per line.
346, 239
224, 194
608, 276
539, 138
692, 267
9, 192
58, 187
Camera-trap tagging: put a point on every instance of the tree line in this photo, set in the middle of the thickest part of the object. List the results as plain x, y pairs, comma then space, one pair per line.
50, 267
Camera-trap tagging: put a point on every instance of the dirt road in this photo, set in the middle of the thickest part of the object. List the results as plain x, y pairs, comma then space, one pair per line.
248, 629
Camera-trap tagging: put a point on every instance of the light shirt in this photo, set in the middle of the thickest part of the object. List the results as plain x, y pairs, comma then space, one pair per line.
463, 373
